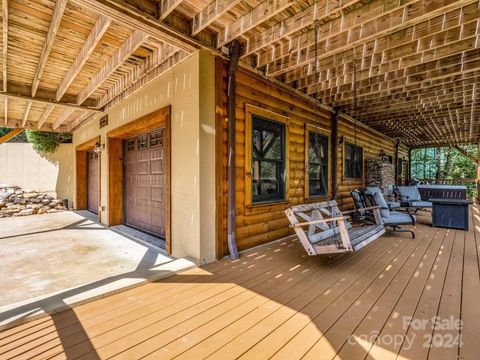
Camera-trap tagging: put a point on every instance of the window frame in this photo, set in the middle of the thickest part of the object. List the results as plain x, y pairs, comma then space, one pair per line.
345, 158
326, 133
251, 112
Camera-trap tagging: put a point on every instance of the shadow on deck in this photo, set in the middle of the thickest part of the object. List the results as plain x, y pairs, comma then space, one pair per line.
276, 302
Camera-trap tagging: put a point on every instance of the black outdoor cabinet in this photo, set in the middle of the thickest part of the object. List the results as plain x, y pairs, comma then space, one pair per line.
450, 213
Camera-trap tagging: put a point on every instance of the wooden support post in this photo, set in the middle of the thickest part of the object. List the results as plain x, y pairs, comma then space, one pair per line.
231, 103
478, 173
409, 166
397, 163
10, 135
334, 154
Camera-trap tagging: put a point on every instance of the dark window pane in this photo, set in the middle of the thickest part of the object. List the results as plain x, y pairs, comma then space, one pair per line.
268, 160
317, 164
142, 142
353, 161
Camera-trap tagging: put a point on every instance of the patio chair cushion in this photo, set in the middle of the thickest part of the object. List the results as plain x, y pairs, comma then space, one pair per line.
393, 204
358, 201
373, 189
380, 201
409, 193
422, 204
398, 218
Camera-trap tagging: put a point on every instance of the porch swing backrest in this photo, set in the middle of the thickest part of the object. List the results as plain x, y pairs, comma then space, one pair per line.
325, 229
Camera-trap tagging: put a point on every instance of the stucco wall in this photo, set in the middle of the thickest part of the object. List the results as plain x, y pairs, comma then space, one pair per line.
192, 133
21, 165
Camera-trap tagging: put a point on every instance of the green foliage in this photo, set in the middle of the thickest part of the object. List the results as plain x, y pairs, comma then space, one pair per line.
446, 165
45, 142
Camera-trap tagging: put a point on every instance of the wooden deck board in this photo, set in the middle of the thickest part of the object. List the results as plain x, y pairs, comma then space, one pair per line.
276, 302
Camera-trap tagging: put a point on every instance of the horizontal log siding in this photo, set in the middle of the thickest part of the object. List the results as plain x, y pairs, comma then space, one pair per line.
372, 144
261, 224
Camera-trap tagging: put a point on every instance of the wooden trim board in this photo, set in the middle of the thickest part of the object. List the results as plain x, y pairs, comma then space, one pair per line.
152, 121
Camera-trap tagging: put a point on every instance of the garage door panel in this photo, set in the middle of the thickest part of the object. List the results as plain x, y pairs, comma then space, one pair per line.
144, 205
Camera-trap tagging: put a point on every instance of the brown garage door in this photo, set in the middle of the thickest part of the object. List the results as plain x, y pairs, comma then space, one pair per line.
93, 181
144, 205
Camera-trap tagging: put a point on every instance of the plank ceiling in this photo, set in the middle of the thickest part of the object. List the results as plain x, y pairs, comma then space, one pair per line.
408, 68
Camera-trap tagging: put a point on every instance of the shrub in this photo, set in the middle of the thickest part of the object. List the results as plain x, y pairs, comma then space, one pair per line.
46, 142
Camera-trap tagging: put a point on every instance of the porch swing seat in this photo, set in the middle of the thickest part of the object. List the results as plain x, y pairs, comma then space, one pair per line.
323, 229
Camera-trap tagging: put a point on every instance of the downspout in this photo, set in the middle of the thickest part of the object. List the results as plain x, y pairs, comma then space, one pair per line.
334, 154
234, 52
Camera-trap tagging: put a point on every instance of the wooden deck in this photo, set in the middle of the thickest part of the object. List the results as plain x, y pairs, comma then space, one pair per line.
276, 302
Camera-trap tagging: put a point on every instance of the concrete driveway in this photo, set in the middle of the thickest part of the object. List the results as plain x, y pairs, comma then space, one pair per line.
53, 261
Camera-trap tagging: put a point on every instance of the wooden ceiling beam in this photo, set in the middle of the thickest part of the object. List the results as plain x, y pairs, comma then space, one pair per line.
136, 39
5, 42
413, 91
80, 120
318, 12
135, 74
389, 81
42, 100
88, 47
12, 133
130, 16
32, 125
348, 32
46, 114
396, 60
167, 6
414, 103
48, 44
164, 66
26, 113
5, 56
410, 114
62, 118
264, 11
346, 96
213, 11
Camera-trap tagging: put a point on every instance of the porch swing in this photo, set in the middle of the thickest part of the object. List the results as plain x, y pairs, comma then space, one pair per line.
328, 229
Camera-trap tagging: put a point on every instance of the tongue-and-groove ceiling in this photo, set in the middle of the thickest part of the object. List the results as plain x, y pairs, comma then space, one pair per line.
414, 65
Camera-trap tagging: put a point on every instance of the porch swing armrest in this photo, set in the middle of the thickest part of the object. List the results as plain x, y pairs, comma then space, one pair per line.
338, 218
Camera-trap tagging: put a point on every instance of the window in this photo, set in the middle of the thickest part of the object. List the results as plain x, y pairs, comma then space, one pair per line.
156, 138
353, 161
317, 166
142, 143
131, 145
268, 160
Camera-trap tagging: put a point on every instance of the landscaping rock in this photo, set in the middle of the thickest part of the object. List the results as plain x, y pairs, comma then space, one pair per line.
25, 212
16, 202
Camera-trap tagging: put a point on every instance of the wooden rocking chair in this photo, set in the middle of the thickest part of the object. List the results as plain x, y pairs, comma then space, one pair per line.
329, 231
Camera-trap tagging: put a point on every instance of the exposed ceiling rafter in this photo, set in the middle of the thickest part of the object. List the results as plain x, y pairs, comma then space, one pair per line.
212, 12
48, 44
264, 11
90, 44
135, 40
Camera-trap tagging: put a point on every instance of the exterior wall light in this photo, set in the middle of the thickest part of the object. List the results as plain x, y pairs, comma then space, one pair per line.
98, 149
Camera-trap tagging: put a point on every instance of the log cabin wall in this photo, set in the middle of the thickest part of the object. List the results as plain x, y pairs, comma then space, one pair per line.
260, 224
